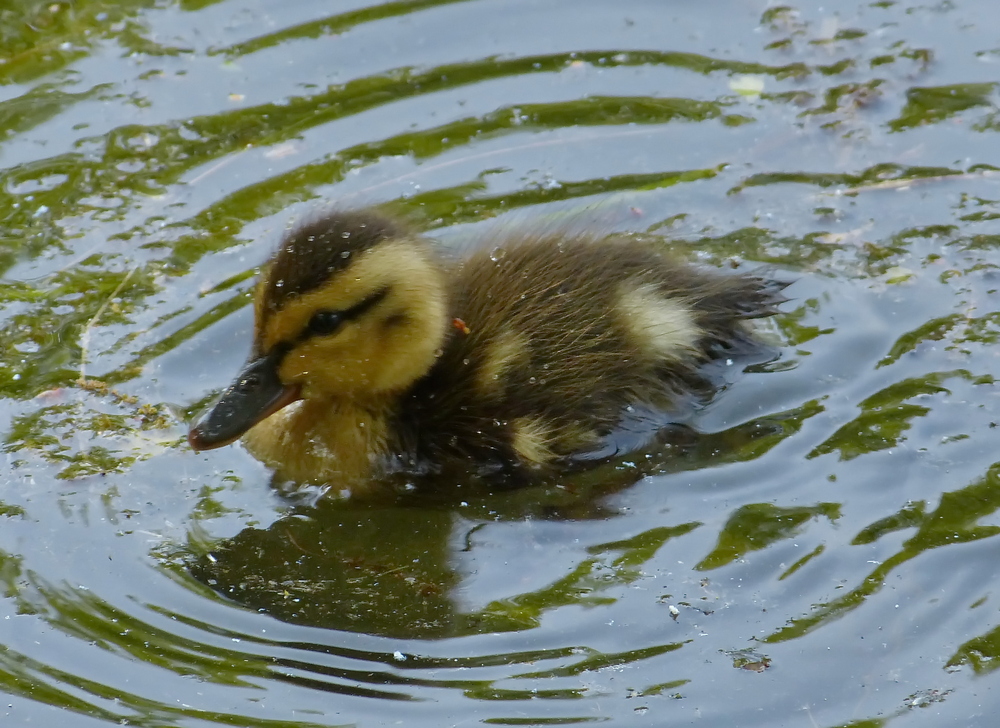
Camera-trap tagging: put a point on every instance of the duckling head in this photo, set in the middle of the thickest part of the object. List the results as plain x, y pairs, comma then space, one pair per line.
351, 307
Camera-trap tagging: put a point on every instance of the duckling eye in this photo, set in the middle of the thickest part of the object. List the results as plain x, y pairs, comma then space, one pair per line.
324, 323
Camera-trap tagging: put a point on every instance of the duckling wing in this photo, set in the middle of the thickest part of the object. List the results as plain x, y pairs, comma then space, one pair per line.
555, 336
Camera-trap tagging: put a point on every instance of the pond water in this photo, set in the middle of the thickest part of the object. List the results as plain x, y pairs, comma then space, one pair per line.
814, 547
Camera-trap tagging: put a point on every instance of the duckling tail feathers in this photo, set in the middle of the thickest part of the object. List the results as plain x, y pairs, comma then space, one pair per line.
760, 296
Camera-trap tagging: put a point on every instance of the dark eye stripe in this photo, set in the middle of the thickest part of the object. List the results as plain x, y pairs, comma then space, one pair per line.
324, 323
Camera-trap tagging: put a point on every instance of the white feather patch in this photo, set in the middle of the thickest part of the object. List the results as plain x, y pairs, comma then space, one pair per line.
662, 325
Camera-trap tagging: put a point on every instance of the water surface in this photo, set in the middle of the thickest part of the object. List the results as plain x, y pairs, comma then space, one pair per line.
814, 547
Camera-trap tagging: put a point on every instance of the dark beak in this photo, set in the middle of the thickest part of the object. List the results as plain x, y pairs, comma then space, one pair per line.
256, 394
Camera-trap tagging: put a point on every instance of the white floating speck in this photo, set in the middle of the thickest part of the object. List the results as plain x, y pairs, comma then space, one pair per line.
749, 86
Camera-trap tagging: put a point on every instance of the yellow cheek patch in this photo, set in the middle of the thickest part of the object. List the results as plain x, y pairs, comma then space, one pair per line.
334, 364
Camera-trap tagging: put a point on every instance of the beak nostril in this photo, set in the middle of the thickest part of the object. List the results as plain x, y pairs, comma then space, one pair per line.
251, 381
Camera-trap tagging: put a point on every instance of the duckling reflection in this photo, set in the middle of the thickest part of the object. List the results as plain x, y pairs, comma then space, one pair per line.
372, 354
404, 569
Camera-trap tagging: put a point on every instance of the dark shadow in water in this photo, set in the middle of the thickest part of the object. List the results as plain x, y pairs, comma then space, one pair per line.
387, 568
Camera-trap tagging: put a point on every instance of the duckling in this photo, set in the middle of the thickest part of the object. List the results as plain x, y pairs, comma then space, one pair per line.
373, 354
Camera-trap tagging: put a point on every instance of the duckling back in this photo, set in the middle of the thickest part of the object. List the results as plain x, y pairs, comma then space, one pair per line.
554, 336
